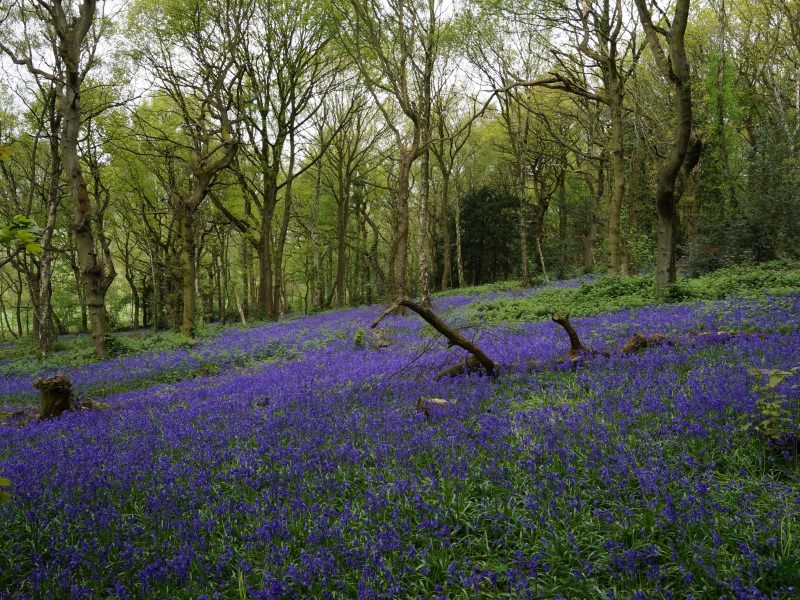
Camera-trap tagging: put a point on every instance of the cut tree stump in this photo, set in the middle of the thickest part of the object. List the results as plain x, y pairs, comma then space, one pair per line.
55, 395
453, 336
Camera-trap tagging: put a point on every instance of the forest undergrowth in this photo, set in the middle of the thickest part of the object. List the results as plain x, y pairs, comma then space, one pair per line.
288, 459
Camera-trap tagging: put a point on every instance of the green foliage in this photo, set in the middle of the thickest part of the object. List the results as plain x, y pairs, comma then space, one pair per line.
615, 293
116, 347
490, 235
4, 495
773, 420
79, 350
605, 294
360, 338
487, 288
680, 291
21, 231
6, 152
134, 343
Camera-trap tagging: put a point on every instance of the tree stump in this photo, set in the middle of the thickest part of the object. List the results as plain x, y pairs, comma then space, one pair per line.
55, 395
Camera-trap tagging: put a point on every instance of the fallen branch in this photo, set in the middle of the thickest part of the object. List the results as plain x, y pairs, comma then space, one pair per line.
453, 336
470, 365
639, 341
576, 349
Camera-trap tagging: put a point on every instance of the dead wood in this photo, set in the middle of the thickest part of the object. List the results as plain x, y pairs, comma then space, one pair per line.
577, 351
55, 395
453, 336
575, 346
639, 341
379, 339
427, 405
712, 336
92, 404
470, 365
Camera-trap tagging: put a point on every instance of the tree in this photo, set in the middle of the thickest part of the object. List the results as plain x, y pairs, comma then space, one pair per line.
667, 43
345, 165
73, 55
489, 219
393, 45
288, 72
26, 161
198, 89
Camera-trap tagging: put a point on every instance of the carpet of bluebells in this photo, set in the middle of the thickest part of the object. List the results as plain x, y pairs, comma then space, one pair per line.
311, 474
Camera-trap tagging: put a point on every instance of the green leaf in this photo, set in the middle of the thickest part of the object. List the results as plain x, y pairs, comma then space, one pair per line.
6, 151
775, 379
25, 237
34, 248
5, 482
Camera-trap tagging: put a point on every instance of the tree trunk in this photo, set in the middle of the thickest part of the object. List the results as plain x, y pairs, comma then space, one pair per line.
277, 290
618, 174
444, 228
157, 309
18, 311
47, 334
188, 272
145, 302
342, 205
459, 255
55, 395
400, 258
90, 265
523, 242
562, 223
200, 310
541, 259
222, 278
674, 66
244, 304
136, 303
422, 239
71, 33
264, 305
595, 188
318, 293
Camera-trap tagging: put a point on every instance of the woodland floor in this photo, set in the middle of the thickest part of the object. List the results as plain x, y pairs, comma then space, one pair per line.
288, 459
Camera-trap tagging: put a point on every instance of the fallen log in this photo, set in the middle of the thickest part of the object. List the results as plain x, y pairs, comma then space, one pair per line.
639, 341
470, 365
576, 349
453, 336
